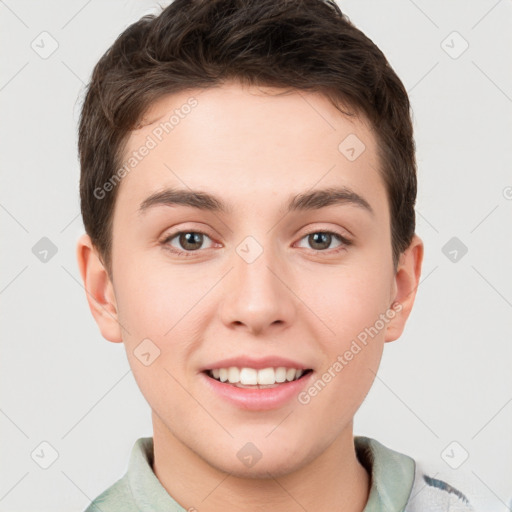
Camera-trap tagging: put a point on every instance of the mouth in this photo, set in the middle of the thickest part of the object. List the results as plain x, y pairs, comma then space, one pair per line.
252, 378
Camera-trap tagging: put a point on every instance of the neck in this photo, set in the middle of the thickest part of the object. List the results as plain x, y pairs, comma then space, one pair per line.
335, 480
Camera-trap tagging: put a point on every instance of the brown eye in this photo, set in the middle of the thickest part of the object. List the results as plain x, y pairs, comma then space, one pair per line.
190, 241
322, 240
187, 241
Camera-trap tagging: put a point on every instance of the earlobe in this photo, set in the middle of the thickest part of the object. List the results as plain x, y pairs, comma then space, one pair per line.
406, 283
99, 289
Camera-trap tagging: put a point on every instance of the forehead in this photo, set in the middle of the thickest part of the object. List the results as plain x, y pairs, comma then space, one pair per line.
248, 143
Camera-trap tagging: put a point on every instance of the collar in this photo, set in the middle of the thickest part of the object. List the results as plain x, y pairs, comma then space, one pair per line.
392, 477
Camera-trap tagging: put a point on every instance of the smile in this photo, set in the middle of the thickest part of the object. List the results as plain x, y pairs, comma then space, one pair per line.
252, 377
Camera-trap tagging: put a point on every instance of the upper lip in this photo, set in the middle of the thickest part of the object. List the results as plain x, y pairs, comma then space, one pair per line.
256, 363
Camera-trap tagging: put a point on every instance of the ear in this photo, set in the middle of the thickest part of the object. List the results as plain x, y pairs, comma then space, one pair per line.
99, 289
406, 281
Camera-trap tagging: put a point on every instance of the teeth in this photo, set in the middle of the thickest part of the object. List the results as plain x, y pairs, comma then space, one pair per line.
248, 376
233, 374
251, 376
267, 376
280, 374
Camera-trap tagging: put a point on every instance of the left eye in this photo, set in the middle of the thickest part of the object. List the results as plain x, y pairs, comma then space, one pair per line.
322, 239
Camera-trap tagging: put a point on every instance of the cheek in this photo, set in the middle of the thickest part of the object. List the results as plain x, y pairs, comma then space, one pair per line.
164, 314
159, 338
354, 306
352, 353
153, 300
349, 300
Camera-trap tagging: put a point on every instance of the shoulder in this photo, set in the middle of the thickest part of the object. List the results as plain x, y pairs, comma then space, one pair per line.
400, 482
435, 489
128, 493
116, 498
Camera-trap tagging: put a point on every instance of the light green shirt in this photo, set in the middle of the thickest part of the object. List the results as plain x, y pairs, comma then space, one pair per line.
397, 484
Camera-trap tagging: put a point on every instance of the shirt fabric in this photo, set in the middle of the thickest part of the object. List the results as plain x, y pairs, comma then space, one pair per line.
398, 484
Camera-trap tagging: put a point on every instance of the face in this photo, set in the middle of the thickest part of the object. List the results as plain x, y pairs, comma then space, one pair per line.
258, 269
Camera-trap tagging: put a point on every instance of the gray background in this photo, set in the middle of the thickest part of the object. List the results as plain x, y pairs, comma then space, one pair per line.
447, 379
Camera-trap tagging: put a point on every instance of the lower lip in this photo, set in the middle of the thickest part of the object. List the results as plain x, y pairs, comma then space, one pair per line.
258, 399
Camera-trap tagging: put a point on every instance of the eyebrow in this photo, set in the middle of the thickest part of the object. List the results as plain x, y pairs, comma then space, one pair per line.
314, 200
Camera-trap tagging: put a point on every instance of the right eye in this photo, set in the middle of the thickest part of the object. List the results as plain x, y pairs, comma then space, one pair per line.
188, 241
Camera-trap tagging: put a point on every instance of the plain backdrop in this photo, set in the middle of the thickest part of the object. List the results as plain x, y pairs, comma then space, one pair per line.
444, 390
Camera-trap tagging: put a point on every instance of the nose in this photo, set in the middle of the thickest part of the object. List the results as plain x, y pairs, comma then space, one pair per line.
258, 295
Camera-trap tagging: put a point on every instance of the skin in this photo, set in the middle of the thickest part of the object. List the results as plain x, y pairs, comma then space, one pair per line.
252, 148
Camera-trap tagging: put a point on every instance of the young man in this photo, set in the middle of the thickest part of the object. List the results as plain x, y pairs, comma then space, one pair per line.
248, 186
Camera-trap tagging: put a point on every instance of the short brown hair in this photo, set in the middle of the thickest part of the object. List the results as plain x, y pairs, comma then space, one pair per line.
308, 45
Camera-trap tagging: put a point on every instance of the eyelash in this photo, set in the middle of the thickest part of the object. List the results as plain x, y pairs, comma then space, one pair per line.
344, 241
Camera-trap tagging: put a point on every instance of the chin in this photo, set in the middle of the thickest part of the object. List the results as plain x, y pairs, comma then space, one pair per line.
261, 470
273, 465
